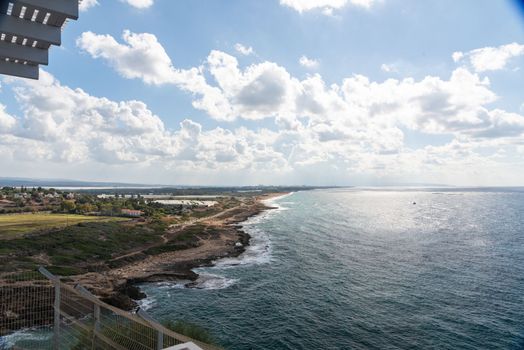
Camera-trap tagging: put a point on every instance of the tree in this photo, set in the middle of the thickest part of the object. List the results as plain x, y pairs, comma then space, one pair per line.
68, 206
85, 208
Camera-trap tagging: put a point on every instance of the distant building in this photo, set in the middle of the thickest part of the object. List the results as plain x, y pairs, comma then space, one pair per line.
105, 196
132, 213
186, 203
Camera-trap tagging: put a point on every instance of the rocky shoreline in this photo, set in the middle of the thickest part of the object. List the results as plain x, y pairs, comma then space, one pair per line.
127, 294
222, 236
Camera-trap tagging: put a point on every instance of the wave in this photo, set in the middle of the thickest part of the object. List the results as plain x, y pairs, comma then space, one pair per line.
259, 249
146, 303
257, 252
211, 282
32, 336
271, 201
207, 281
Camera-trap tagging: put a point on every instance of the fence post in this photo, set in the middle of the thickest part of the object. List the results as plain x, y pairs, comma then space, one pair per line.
56, 324
159, 334
97, 317
56, 327
159, 340
96, 310
96, 307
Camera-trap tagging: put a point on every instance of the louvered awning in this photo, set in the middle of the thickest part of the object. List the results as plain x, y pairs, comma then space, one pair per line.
27, 29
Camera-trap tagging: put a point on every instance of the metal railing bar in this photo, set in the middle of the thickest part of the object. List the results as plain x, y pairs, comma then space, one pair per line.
109, 341
96, 317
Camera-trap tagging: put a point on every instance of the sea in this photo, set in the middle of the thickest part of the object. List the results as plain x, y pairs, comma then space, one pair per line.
355, 268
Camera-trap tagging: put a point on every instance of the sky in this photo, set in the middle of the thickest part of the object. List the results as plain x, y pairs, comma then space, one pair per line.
275, 92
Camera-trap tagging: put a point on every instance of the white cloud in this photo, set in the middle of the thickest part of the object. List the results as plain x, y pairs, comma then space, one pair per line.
457, 56
87, 4
490, 58
67, 125
308, 62
7, 122
139, 4
71, 125
143, 57
244, 50
327, 6
389, 68
355, 125
267, 90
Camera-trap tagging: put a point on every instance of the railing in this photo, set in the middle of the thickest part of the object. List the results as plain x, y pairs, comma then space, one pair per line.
39, 311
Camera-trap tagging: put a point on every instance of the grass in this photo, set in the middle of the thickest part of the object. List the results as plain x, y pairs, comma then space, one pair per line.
77, 249
185, 239
16, 225
190, 330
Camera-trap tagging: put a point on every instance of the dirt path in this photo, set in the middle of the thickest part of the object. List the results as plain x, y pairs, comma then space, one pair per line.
173, 229
218, 239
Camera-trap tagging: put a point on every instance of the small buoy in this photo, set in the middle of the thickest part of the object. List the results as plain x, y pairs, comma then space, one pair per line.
414, 203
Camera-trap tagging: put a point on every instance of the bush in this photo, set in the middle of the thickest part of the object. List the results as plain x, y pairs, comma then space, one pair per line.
190, 330
65, 270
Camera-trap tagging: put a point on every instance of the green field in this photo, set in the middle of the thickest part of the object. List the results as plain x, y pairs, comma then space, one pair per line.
16, 225
75, 249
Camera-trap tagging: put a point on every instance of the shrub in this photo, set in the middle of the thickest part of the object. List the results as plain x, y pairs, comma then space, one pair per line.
190, 330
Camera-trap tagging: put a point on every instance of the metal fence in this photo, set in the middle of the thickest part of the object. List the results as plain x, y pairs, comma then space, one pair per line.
39, 311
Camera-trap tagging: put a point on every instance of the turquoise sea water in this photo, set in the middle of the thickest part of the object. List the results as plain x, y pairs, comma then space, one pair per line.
367, 269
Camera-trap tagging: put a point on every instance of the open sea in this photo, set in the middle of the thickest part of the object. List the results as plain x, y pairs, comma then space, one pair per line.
367, 269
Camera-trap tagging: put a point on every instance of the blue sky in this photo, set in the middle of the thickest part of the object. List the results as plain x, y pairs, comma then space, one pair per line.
276, 92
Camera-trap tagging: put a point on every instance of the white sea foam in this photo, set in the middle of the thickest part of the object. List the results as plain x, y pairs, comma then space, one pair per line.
211, 281
271, 201
32, 335
146, 303
172, 285
259, 249
258, 252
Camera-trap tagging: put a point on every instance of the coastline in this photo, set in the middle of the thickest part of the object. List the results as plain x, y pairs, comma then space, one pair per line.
222, 236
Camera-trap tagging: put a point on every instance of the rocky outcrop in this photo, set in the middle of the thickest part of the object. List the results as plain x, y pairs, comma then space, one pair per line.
218, 237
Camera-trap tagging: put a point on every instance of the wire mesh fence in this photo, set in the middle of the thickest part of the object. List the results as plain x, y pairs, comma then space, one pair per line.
38, 311
26, 302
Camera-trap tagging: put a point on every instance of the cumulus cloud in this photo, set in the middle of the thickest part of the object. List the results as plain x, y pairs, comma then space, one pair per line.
68, 125
357, 124
327, 6
87, 4
139, 4
141, 56
7, 122
490, 58
458, 105
244, 50
308, 62
71, 125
